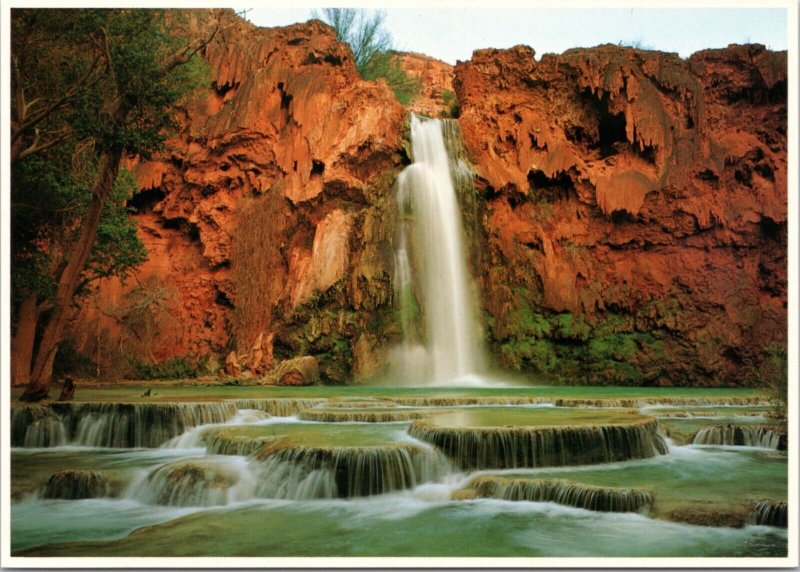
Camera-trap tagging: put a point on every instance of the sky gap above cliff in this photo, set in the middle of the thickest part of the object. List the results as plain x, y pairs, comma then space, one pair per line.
451, 34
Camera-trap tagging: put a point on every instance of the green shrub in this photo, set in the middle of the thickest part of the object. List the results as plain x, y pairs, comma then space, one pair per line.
371, 45
773, 375
173, 368
529, 353
570, 328
453, 106
69, 361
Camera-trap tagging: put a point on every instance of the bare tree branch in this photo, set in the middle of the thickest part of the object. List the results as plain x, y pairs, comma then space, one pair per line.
188, 52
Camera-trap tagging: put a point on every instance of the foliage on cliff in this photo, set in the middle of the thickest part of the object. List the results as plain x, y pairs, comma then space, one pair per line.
89, 88
371, 44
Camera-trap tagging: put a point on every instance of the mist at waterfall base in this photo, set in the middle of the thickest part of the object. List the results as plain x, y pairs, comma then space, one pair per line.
434, 298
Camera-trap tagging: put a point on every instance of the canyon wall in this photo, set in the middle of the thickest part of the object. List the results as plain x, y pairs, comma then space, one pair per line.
267, 214
635, 210
629, 222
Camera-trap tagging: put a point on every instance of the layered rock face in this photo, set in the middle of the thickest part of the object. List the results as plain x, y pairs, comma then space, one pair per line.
629, 224
635, 210
436, 97
274, 193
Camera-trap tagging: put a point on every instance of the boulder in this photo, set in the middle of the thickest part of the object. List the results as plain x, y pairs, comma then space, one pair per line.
298, 371
232, 367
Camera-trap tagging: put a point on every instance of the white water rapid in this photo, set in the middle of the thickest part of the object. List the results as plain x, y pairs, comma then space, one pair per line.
430, 227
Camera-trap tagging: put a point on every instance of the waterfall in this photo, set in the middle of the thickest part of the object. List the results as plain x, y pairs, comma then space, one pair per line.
297, 472
741, 435
196, 482
119, 425
36, 426
430, 226
771, 513
511, 447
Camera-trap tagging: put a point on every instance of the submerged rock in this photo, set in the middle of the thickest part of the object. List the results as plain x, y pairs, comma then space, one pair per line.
222, 442
77, 484
192, 483
362, 416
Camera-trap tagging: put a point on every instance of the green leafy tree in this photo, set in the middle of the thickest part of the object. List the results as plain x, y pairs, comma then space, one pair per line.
89, 87
773, 376
371, 45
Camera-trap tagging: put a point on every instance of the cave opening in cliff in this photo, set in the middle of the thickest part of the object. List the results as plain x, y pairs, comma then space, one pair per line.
317, 168
771, 229
611, 128
286, 99
546, 188
145, 200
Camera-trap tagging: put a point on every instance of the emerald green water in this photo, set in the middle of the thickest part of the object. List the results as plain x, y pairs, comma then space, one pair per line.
403, 527
322, 435
423, 520
687, 475
201, 392
532, 417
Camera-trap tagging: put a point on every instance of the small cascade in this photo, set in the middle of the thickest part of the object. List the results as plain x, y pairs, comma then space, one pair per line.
603, 499
125, 425
742, 435
78, 484
343, 472
290, 480
701, 414
278, 406
436, 275
36, 426
195, 483
194, 437
513, 447
771, 513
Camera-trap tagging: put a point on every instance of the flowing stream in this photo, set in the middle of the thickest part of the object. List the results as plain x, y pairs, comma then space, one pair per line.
259, 484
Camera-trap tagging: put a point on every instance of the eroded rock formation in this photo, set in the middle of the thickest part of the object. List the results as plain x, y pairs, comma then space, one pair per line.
272, 195
635, 214
436, 97
629, 226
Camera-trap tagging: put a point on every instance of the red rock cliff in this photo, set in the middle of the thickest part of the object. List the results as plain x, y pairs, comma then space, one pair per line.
630, 226
268, 199
635, 215
436, 95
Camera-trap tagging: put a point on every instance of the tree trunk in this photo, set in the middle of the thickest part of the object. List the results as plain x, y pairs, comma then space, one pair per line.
22, 341
42, 373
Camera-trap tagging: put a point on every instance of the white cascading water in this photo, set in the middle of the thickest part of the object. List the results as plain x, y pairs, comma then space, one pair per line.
430, 225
